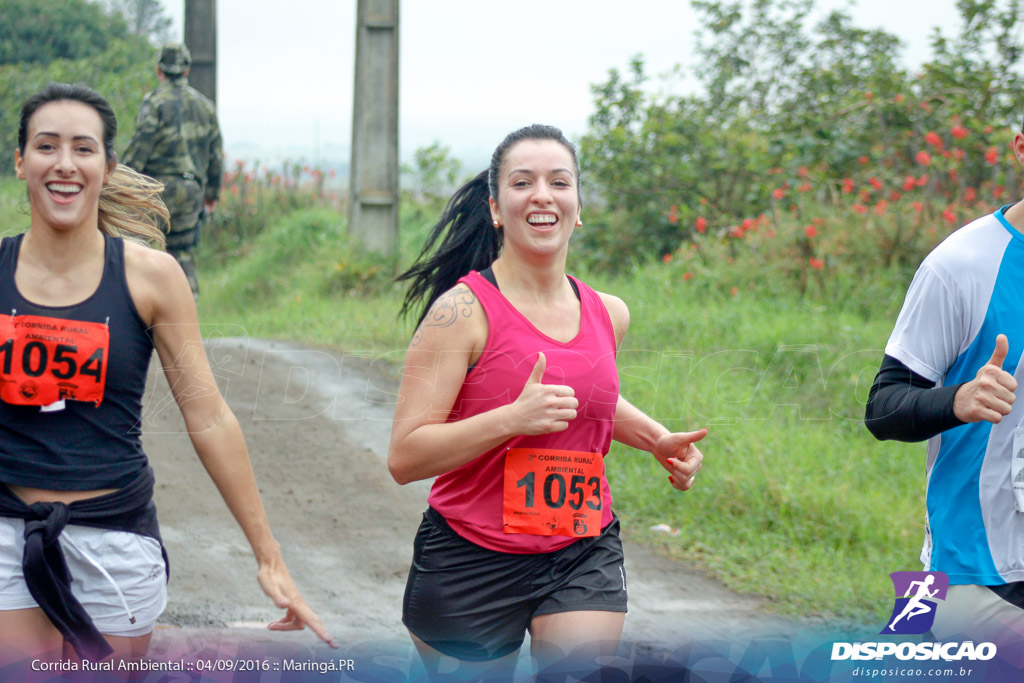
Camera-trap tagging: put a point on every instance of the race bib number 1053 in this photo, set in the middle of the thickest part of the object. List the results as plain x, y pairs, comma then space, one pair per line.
551, 492
44, 360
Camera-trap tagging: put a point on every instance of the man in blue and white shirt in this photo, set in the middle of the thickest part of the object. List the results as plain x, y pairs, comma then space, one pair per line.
950, 371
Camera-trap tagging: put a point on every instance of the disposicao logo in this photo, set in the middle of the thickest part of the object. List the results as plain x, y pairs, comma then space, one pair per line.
913, 613
914, 610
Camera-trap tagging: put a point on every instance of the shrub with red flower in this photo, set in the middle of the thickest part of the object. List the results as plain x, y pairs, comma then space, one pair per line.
810, 231
923, 158
702, 224
933, 139
959, 132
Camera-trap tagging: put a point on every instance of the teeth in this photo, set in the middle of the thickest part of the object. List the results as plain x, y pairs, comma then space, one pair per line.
540, 219
66, 188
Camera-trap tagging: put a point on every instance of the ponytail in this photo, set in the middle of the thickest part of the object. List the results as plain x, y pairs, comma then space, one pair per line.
130, 206
468, 241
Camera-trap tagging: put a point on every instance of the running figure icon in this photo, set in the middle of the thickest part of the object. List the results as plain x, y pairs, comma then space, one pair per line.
914, 605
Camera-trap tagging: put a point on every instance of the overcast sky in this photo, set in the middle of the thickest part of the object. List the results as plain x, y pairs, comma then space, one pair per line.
471, 70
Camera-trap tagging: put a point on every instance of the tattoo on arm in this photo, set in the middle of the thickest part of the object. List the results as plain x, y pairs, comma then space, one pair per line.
449, 307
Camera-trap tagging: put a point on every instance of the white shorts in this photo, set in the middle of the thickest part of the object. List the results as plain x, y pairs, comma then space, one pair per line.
978, 613
124, 598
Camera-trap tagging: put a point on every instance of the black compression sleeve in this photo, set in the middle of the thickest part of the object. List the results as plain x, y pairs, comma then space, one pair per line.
905, 406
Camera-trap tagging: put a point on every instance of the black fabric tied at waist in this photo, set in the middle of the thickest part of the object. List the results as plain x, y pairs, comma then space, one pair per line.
46, 571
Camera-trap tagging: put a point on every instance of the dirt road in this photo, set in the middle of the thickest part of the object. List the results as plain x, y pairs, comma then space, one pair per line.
317, 425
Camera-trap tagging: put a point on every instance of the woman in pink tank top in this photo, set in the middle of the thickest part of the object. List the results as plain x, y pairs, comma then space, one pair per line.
509, 399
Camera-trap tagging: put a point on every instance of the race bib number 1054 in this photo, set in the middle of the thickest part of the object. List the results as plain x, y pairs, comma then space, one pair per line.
552, 492
44, 360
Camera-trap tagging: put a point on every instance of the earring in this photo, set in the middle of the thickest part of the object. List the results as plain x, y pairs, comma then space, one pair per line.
497, 223
579, 222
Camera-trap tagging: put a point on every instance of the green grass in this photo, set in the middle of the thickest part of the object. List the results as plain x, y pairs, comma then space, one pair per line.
14, 216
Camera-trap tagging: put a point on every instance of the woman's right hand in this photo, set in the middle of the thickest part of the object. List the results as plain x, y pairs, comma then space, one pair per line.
543, 408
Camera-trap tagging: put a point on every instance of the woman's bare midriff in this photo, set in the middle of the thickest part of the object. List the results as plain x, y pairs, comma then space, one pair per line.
32, 495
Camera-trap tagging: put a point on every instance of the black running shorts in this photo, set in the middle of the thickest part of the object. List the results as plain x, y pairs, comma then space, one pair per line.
476, 604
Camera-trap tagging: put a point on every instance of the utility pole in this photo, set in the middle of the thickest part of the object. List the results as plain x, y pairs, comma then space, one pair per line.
373, 174
201, 39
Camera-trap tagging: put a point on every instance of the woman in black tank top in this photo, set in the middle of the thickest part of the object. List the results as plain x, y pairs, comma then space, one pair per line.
83, 302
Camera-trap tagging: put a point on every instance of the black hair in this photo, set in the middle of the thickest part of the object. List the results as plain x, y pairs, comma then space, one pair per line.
60, 92
465, 236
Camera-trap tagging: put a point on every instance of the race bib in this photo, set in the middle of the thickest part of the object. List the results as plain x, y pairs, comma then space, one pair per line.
1017, 466
552, 492
47, 360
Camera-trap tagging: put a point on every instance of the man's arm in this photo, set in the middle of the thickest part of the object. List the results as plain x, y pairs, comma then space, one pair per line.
140, 147
905, 406
215, 170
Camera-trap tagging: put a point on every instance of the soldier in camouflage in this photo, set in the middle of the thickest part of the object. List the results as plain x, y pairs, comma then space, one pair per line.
177, 141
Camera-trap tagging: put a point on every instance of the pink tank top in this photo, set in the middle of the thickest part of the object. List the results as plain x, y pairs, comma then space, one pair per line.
470, 497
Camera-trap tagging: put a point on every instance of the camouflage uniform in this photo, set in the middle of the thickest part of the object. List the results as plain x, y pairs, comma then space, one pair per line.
177, 141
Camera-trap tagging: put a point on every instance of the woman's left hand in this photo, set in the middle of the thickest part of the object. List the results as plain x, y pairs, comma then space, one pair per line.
678, 453
277, 583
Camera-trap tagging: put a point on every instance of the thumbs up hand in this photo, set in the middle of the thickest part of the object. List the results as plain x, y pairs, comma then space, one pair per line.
543, 408
989, 396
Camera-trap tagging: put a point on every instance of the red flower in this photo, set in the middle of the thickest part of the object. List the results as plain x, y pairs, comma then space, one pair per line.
687, 275
988, 129
949, 214
810, 231
959, 132
816, 263
933, 139
801, 171
895, 196
666, 258
806, 187
869, 95
998, 191
970, 194
925, 106
702, 224
992, 155
778, 193
923, 158
672, 217
923, 180
818, 221
736, 232
847, 185
897, 99
860, 208
863, 160
875, 182
919, 207
747, 225
908, 183
881, 206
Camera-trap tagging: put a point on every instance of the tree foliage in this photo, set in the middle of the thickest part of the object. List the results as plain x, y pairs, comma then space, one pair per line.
783, 105
144, 17
72, 41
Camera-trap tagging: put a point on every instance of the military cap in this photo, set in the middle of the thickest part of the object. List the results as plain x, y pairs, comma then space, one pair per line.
175, 59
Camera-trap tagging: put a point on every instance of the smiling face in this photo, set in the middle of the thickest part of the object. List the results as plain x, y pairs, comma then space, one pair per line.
538, 200
64, 165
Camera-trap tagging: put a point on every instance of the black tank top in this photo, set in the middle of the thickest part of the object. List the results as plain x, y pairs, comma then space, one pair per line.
83, 446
